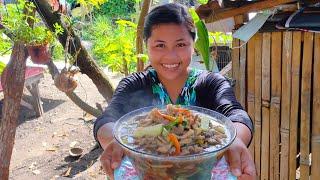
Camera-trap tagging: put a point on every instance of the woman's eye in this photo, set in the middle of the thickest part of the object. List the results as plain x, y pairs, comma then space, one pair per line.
160, 46
181, 45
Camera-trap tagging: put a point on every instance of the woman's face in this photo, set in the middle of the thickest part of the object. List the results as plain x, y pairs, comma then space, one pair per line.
170, 48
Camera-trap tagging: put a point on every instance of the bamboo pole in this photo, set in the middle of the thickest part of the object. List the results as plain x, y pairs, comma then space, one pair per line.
275, 104
285, 103
250, 84
257, 102
236, 59
242, 80
315, 172
266, 43
306, 105
294, 110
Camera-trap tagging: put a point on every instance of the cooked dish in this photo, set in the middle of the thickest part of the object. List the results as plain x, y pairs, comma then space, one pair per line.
177, 131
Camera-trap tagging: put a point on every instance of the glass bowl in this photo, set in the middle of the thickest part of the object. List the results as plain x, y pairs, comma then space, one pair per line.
153, 166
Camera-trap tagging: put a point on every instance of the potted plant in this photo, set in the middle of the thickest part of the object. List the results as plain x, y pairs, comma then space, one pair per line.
16, 20
38, 45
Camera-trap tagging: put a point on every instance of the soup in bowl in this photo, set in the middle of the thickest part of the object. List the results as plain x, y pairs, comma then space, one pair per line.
174, 142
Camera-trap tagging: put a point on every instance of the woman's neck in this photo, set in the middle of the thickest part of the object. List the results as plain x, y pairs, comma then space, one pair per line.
174, 86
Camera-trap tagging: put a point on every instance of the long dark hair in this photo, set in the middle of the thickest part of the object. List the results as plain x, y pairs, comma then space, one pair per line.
168, 13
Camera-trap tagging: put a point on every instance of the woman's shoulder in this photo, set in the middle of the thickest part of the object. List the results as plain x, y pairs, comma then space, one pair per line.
137, 79
208, 77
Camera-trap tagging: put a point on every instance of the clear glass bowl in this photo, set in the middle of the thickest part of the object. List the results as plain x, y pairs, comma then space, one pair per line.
152, 166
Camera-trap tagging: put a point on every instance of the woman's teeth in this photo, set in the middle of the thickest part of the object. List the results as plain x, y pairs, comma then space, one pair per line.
170, 65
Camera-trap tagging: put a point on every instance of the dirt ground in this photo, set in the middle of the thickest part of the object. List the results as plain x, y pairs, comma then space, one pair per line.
41, 149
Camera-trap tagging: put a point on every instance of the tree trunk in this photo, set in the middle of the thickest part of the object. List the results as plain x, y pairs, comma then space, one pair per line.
13, 81
85, 62
139, 40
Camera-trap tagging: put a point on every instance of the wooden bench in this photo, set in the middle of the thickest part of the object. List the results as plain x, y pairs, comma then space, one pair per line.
32, 79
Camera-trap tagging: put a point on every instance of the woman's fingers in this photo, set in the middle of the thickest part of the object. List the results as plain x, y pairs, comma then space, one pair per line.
248, 166
234, 160
105, 160
117, 154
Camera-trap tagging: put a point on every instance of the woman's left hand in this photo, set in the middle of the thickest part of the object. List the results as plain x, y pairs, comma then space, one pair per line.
240, 161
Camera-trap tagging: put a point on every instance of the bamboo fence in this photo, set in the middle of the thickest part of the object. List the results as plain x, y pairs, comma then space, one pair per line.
278, 82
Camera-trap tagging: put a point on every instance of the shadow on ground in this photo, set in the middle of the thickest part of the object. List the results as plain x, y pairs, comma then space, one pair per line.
81, 164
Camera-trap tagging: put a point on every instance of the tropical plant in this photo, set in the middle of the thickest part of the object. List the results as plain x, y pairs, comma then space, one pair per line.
16, 20
114, 45
202, 42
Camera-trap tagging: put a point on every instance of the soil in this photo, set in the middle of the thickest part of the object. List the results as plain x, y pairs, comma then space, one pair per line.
42, 144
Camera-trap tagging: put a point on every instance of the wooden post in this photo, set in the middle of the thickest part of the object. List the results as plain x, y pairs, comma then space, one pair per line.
294, 111
275, 105
257, 102
285, 103
251, 83
266, 43
236, 59
13, 81
306, 105
37, 103
242, 80
139, 40
315, 173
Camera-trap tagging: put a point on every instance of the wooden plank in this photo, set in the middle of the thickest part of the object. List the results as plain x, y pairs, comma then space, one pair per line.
250, 84
315, 173
257, 102
294, 110
236, 67
285, 103
275, 105
236, 59
36, 100
266, 43
254, 7
306, 105
242, 75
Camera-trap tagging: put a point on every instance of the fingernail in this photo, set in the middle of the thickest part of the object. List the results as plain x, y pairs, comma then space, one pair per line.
236, 172
114, 165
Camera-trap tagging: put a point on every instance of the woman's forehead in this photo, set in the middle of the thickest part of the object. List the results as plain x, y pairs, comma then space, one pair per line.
163, 32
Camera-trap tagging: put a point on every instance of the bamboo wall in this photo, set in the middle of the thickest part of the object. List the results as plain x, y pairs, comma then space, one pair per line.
278, 82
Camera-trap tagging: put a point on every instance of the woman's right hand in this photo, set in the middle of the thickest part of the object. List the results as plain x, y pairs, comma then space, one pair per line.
113, 153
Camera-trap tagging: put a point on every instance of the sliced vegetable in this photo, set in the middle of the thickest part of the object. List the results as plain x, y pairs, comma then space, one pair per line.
204, 123
165, 116
153, 131
174, 140
165, 132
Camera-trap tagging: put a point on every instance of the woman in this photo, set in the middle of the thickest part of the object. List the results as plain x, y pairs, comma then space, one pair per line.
169, 34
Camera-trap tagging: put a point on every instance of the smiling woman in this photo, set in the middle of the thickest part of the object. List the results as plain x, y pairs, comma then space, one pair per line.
169, 34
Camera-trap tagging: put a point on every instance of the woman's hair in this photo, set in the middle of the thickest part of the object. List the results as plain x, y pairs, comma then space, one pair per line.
168, 13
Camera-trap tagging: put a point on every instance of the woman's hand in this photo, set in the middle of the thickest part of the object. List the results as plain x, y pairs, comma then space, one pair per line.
112, 154
240, 161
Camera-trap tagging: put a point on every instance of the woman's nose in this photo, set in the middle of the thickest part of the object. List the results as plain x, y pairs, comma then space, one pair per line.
171, 55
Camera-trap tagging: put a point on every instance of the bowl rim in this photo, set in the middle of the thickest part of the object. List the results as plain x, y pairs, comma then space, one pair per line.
173, 158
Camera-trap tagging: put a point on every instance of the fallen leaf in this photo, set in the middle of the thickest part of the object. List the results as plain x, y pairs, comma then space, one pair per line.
52, 149
72, 144
44, 144
33, 165
67, 173
36, 172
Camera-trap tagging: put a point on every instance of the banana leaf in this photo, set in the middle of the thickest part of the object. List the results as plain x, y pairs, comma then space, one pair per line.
202, 42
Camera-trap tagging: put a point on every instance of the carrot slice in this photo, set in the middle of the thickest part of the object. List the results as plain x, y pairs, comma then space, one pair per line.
173, 138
